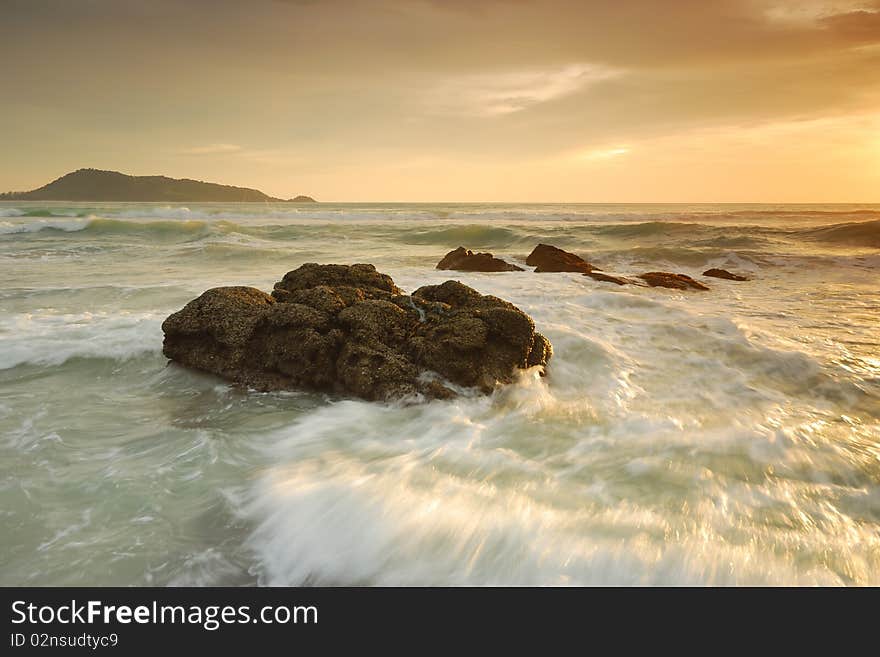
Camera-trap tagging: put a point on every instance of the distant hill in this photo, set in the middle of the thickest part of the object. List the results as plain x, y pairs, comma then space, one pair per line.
97, 185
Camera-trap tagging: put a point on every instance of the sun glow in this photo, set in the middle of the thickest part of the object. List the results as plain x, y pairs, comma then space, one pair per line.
602, 153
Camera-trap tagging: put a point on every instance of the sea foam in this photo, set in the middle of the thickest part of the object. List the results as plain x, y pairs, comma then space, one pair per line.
45, 337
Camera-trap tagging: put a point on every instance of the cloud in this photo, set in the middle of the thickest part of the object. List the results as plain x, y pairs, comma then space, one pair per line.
212, 149
234, 152
804, 12
488, 83
602, 153
861, 25
850, 20
494, 94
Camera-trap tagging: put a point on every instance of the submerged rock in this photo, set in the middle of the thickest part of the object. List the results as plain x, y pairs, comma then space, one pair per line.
723, 273
546, 258
676, 281
608, 278
462, 259
350, 330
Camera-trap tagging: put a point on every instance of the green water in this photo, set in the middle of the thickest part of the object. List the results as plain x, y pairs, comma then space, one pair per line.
728, 437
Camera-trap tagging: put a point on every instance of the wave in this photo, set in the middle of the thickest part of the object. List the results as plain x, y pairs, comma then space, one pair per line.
651, 229
792, 212
698, 234
163, 212
187, 228
72, 225
275, 212
863, 233
96, 226
676, 256
469, 235
42, 212
55, 213
732, 241
335, 522
704, 241
45, 337
456, 493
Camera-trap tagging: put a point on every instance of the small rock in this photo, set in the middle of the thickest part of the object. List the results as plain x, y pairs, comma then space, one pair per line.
608, 278
723, 273
676, 281
462, 259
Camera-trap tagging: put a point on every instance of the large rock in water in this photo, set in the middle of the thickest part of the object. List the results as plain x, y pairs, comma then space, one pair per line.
462, 259
350, 330
546, 258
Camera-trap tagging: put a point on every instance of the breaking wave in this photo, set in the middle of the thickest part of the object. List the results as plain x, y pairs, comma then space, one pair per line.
71, 225
864, 233
44, 337
476, 235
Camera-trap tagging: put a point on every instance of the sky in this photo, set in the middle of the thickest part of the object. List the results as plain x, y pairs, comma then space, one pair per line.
451, 100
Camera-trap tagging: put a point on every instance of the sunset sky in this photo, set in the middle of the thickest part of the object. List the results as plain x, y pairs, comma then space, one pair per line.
414, 100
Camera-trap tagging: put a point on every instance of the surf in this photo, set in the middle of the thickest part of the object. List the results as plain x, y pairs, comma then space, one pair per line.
679, 438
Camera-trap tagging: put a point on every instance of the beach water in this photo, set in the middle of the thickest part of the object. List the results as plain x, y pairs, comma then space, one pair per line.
721, 437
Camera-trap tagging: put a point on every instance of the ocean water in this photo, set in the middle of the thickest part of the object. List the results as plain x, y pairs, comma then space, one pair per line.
724, 437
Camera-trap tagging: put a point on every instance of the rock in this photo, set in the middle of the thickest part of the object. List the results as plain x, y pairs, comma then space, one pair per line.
462, 259
546, 258
474, 340
350, 330
608, 278
541, 351
676, 281
212, 332
723, 273
344, 279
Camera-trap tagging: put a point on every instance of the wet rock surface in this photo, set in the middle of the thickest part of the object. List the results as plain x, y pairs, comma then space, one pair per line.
547, 258
609, 278
348, 329
723, 273
675, 281
462, 259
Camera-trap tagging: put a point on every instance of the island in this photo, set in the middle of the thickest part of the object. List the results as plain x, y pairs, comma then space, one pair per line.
98, 185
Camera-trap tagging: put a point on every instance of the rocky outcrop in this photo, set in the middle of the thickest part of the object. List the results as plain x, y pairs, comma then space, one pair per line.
462, 259
350, 330
723, 273
675, 281
547, 258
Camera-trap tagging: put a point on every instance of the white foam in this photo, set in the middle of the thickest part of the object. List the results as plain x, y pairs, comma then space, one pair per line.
338, 520
46, 337
36, 225
163, 212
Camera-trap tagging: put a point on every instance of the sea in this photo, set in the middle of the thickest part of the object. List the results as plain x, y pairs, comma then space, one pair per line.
727, 437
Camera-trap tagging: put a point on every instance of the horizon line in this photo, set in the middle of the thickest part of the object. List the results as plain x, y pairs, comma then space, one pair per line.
483, 202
